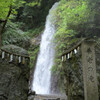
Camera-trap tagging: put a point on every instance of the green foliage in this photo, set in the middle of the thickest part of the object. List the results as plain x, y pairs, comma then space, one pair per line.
13, 35
5, 5
75, 19
34, 13
94, 20
4, 8
18, 3
71, 16
34, 3
33, 52
34, 32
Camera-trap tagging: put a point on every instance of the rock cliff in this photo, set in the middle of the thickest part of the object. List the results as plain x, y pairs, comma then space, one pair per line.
14, 76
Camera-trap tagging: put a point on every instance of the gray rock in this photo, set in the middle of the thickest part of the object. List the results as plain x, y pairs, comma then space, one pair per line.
15, 49
14, 77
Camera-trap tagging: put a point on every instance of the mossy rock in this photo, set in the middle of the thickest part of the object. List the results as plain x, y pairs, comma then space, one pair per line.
15, 49
14, 78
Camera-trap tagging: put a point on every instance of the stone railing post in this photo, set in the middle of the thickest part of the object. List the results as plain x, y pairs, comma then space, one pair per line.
89, 70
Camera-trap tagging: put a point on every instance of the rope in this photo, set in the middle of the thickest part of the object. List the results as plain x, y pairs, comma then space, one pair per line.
72, 49
14, 54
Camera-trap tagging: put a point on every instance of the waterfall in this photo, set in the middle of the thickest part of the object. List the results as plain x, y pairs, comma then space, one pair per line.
42, 75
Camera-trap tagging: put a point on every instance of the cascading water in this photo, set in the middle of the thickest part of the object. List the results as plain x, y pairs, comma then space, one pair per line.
42, 74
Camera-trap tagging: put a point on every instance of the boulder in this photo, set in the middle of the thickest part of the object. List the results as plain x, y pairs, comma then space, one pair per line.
14, 77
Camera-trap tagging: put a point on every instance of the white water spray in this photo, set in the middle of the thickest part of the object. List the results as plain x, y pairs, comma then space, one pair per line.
42, 74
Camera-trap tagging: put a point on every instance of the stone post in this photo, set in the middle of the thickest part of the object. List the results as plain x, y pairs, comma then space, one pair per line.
89, 70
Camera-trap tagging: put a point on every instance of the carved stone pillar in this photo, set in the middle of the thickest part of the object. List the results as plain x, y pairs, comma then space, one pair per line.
89, 71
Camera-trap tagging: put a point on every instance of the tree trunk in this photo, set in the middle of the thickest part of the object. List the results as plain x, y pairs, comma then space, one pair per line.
4, 24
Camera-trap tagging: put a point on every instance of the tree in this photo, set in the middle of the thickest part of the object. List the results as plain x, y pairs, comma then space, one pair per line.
5, 11
6, 8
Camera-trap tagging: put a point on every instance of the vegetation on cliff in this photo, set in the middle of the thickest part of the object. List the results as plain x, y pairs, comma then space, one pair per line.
75, 19
23, 20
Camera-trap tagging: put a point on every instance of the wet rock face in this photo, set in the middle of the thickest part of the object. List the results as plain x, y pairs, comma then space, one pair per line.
13, 77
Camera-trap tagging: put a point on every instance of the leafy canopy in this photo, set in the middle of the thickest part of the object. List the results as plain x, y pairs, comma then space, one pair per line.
34, 3
71, 15
5, 5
